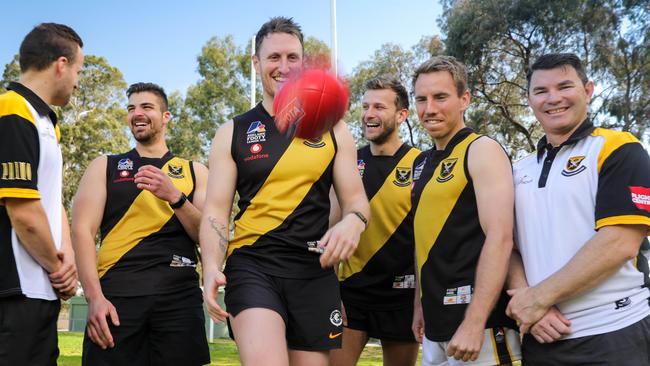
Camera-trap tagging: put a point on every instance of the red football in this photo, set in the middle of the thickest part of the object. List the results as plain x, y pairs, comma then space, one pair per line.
310, 104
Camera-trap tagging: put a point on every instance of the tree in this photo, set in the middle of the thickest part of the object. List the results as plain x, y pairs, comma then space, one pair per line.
499, 39
93, 123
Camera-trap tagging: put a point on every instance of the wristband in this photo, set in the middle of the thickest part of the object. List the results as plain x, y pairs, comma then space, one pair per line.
180, 202
361, 217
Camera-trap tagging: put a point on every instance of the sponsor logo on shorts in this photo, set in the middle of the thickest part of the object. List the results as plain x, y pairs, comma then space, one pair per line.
446, 169
622, 303
316, 143
573, 166
256, 133
336, 318
402, 177
335, 335
406, 281
641, 197
125, 164
175, 171
361, 167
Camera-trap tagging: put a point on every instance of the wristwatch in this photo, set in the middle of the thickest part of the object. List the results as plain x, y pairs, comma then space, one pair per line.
180, 202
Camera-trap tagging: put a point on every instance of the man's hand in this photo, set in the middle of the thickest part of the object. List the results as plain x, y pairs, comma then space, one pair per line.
64, 281
525, 308
467, 341
418, 323
341, 240
98, 310
212, 280
157, 182
551, 327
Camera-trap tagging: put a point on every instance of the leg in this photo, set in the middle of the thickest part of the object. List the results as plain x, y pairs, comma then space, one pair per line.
353, 343
260, 337
28, 331
177, 330
308, 358
399, 353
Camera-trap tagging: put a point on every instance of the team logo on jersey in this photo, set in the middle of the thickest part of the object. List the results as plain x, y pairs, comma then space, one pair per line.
125, 164
315, 142
573, 166
641, 197
418, 169
446, 169
256, 133
336, 318
361, 167
175, 171
402, 177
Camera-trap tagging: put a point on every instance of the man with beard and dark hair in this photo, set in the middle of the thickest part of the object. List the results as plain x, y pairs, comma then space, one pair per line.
378, 281
144, 302
36, 257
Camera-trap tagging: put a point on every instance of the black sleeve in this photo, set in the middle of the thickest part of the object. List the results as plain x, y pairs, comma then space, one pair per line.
623, 195
19, 153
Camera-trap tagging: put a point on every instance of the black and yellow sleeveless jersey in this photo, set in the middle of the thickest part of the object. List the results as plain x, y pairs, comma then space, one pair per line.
380, 274
283, 187
144, 249
448, 238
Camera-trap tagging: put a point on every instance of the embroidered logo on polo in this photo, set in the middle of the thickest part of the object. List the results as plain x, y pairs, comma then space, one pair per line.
446, 169
402, 176
361, 167
256, 133
175, 171
16, 170
315, 143
573, 166
641, 197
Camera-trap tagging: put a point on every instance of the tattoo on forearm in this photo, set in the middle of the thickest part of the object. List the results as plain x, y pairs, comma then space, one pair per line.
222, 232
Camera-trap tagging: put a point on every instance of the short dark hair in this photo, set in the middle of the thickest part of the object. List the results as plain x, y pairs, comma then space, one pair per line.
278, 25
151, 88
554, 60
390, 82
454, 67
45, 44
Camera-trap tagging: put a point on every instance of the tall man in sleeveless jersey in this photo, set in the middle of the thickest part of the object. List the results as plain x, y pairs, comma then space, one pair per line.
582, 204
144, 302
36, 256
462, 204
378, 281
282, 296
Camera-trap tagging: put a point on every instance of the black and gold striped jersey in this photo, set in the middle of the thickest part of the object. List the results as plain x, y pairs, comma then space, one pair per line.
380, 274
448, 238
283, 186
144, 248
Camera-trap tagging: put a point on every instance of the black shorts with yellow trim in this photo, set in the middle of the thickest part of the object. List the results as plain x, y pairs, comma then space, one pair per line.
387, 325
309, 307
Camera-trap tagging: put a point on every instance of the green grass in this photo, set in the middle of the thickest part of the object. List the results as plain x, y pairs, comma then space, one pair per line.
223, 352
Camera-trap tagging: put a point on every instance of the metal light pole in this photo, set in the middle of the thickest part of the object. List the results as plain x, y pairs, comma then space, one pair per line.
333, 51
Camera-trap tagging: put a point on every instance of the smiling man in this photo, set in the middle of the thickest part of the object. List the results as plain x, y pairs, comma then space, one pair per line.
462, 204
582, 212
282, 296
144, 302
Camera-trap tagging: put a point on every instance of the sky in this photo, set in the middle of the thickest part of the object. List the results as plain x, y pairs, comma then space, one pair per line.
159, 41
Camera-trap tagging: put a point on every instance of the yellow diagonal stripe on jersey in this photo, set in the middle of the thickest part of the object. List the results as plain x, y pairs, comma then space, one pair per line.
388, 208
437, 202
146, 216
283, 190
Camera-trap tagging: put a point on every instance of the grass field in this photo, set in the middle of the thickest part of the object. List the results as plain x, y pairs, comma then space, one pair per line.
223, 352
